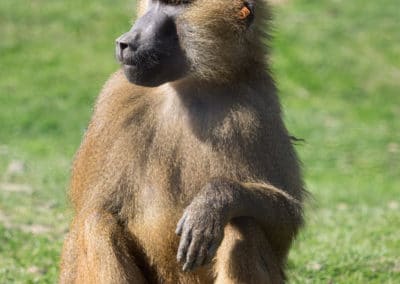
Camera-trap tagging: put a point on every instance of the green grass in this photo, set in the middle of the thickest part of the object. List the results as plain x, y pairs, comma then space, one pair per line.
337, 64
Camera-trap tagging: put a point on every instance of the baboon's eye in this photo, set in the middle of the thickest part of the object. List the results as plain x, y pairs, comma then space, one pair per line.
176, 2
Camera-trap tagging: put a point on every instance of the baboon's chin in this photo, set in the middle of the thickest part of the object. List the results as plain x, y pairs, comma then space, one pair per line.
153, 77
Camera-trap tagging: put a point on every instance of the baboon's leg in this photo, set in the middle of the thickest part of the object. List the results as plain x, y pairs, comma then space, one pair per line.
245, 256
97, 250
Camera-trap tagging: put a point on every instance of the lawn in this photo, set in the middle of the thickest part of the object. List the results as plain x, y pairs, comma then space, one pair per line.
337, 64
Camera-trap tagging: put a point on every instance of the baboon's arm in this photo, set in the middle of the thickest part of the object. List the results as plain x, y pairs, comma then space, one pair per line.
202, 224
270, 206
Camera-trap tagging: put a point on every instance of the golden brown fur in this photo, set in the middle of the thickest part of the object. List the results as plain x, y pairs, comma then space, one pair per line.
148, 152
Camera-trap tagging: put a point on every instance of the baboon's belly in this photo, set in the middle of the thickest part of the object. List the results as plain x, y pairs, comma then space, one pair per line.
154, 230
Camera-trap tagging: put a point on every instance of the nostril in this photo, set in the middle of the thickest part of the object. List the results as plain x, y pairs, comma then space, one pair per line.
122, 45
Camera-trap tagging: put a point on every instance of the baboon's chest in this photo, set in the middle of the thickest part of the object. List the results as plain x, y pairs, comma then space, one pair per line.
180, 151
177, 165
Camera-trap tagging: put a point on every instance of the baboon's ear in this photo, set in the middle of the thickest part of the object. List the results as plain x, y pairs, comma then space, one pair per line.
246, 13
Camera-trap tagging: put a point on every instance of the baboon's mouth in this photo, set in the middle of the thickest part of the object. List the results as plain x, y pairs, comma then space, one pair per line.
139, 75
130, 68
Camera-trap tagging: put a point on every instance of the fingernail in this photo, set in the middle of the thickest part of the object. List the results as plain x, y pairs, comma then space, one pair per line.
186, 267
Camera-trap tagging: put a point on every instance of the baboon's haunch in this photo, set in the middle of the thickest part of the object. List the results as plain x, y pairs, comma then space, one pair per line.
187, 173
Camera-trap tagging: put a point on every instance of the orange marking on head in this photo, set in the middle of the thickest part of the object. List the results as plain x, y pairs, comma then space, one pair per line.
244, 13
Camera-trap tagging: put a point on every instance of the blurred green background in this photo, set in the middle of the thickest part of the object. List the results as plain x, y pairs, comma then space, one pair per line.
337, 64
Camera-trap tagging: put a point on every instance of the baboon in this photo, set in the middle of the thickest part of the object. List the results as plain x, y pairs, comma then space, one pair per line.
186, 173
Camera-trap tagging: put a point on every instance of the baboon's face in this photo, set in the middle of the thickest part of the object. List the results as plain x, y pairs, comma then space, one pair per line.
172, 39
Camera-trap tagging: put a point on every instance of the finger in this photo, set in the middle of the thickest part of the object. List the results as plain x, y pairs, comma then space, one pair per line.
187, 266
192, 254
201, 257
180, 224
212, 249
183, 245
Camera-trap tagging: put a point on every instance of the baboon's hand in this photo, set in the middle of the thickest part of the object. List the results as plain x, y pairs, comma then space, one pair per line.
201, 229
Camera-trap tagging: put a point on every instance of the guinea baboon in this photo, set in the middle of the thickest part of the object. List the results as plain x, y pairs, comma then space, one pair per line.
186, 173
